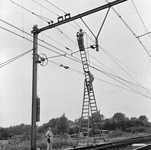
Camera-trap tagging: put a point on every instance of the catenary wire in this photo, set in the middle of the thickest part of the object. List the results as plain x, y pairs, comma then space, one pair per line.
121, 68
130, 29
74, 70
116, 77
115, 73
52, 11
58, 28
30, 40
46, 19
140, 18
108, 55
40, 17
14, 59
57, 42
45, 8
64, 13
40, 45
125, 65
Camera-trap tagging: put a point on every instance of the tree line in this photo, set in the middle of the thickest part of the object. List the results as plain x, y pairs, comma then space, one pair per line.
62, 125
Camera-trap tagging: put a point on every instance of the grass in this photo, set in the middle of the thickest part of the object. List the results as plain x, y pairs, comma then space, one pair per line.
58, 143
63, 143
3, 143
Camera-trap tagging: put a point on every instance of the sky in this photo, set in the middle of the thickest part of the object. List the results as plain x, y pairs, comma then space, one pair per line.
121, 55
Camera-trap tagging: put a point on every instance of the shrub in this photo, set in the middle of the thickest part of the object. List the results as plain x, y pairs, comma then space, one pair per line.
114, 134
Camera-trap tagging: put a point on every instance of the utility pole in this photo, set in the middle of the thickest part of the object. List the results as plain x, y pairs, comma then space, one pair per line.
34, 87
36, 31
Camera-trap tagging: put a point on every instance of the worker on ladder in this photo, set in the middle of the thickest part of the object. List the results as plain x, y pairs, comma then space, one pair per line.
91, 79
80, 34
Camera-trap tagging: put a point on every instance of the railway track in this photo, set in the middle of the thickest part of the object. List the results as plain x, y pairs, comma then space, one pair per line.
147, 147
116, 144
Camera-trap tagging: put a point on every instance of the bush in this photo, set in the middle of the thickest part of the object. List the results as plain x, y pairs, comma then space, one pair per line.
136, 129
114, 134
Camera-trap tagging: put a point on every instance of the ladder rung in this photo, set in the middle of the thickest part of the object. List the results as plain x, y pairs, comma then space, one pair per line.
82, 128
85, 110
92, 103
85, 114
86, 101
92, 106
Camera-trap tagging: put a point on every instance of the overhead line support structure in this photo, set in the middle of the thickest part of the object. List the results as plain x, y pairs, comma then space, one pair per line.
69, 19
35, 32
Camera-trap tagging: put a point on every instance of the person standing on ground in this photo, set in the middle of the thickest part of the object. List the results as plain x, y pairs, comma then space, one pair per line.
49, 136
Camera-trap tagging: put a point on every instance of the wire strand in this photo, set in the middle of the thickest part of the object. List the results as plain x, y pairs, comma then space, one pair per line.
140, 17
130, 29
41, 17
74, 70
14, 59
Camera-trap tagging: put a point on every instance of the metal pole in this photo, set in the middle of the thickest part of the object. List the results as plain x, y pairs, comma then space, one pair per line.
34, 88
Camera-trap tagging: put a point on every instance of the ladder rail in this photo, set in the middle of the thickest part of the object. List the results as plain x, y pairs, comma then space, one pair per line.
89, 101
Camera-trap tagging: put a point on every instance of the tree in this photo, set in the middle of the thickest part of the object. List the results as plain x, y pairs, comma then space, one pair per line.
74, 129
117, 117
62, 125
143, 118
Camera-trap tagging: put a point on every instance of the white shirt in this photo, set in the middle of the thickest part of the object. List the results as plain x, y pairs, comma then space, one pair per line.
49, 134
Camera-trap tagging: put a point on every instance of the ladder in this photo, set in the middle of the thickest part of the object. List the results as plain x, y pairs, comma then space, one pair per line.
89, 102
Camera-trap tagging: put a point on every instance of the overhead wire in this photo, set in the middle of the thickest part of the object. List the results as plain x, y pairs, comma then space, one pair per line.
130, 83
74, 70
40, 45
57, 42
124, 65
119, 78
111, 75
38, 39
14, 59
122, 69
109, 56
42, 19
114, 60
130, 29
46, 21
51, 11
39, 16
65, 35
63, 12
55, 6
140, 18
136, 85
45, 8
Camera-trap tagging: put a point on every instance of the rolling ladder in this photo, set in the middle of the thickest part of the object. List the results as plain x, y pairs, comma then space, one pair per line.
89, 102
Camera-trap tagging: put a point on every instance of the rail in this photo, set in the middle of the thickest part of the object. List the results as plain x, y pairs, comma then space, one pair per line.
147, 147
117, 144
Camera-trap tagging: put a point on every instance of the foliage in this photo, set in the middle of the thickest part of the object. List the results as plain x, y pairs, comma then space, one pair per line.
74, 129
117, 133
62, 125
